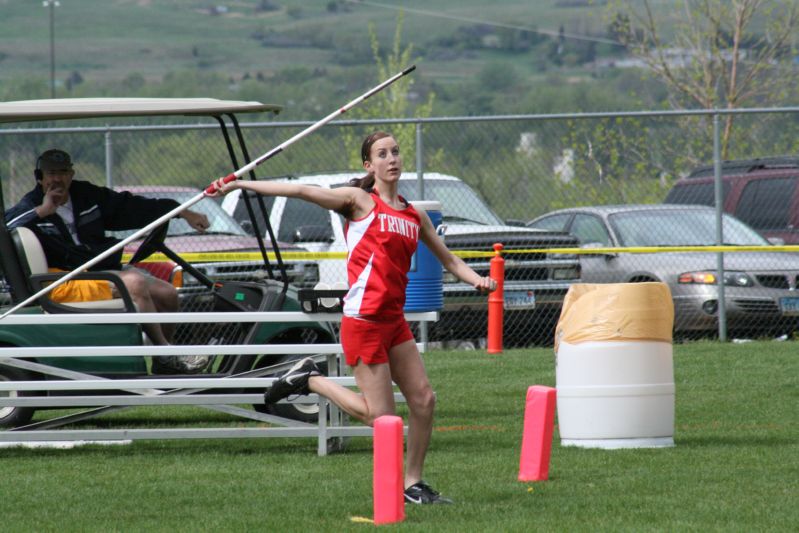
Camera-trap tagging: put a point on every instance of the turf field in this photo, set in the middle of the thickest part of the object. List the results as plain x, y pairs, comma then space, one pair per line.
735, 466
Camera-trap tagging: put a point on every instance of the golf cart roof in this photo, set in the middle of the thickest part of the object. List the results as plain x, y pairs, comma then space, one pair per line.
77, 108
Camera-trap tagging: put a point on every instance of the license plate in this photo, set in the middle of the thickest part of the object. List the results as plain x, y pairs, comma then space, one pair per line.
789, 305
524, 300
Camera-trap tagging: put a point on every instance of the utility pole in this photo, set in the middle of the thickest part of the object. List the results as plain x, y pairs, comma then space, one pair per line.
52, 4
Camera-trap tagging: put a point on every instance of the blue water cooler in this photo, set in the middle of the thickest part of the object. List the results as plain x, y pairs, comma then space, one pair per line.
425, 290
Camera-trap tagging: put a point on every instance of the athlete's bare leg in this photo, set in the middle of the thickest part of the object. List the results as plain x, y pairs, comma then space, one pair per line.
376, 397
408, 372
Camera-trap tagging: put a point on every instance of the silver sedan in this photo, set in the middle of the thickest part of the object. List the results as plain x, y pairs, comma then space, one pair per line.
760, 287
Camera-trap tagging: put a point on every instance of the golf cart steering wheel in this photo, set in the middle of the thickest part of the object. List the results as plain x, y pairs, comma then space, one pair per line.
151, 243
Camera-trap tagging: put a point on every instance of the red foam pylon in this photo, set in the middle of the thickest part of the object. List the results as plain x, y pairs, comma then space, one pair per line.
539, 423
388, 479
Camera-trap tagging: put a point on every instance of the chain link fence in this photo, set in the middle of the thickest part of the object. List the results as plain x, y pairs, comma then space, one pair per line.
520, 169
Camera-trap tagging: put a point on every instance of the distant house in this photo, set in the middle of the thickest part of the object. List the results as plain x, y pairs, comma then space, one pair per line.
674, 58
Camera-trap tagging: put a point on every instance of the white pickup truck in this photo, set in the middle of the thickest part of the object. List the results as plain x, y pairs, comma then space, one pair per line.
535, 281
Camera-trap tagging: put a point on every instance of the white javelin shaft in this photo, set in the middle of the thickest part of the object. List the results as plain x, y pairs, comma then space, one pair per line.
310, 129
210, 190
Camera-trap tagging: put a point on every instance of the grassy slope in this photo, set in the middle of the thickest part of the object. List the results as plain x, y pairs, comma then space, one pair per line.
734, 466
112, 39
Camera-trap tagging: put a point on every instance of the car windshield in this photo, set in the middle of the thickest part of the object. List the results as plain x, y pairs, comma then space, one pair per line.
221, 222
459, 202
680, 228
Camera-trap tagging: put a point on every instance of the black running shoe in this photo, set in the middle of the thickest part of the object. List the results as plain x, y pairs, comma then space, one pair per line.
295, 381
422, 493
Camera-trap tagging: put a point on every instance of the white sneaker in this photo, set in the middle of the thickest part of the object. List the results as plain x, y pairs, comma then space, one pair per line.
193, 364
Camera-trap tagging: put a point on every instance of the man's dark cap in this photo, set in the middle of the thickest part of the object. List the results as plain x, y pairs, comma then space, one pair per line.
55, 160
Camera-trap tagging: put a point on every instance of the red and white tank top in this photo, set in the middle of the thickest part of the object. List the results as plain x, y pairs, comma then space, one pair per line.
379, 251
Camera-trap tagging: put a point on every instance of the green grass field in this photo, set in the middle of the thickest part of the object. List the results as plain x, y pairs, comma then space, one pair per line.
735, 466
110, 40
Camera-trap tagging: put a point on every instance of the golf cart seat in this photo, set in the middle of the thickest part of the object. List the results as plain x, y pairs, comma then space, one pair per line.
34, 263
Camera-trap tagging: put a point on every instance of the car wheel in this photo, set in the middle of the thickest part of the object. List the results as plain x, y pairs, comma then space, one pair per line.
302, 412
11, 416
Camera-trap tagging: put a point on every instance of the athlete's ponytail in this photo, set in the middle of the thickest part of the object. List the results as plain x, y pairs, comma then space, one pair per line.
366, 182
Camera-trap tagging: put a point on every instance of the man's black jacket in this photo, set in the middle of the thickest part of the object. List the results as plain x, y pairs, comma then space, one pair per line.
96, 210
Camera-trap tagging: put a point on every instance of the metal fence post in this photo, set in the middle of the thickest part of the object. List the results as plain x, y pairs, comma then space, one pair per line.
719, 197
423, 331
109, 159
419, 161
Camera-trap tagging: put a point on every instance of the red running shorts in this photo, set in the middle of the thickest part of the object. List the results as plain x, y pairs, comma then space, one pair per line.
370, 341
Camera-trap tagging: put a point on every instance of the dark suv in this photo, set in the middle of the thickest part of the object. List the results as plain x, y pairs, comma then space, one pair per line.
761, 192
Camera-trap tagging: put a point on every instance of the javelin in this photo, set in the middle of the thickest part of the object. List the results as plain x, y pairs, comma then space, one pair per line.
211, 189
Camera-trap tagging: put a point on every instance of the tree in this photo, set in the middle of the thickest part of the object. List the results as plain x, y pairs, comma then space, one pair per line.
723, 54
497, 76
614, 160
392, 102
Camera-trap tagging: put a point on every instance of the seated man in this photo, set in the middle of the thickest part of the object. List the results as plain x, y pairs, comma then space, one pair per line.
71, 218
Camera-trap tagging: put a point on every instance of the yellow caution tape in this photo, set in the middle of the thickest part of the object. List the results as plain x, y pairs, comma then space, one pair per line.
631, 250
654, 249
221, 257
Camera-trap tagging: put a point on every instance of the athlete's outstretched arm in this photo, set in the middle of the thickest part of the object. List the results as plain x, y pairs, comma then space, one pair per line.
342, 199
450, 261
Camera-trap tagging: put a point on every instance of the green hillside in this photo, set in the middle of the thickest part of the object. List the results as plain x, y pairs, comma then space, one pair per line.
182, 47
106, 40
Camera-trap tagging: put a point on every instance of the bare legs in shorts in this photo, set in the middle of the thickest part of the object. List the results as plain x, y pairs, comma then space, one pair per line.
406, 369
152, 295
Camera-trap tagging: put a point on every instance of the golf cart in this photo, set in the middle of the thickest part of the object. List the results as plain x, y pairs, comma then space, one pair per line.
24, 272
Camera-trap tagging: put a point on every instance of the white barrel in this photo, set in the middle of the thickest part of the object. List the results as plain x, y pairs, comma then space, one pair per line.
615, 394
614, 366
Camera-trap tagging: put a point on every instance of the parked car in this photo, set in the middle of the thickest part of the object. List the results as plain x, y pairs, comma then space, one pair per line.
535, 281
760, 287
225, 235
763, 193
